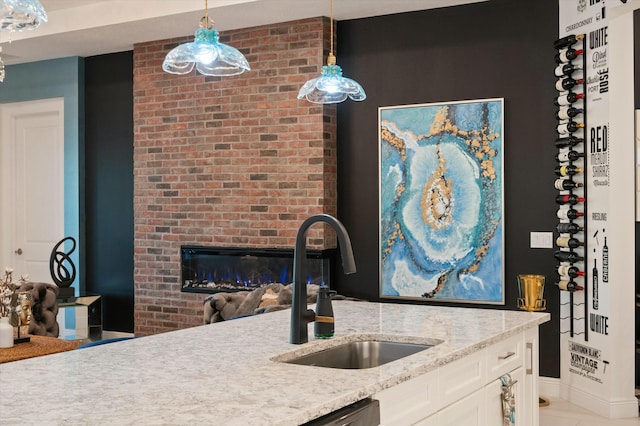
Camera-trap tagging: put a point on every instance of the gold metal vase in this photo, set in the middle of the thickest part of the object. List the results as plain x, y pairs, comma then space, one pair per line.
531, 292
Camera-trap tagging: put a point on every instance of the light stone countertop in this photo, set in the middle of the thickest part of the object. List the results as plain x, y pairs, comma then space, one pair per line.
222, 374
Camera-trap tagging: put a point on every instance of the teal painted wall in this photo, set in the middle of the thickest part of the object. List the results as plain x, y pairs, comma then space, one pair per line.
59, 78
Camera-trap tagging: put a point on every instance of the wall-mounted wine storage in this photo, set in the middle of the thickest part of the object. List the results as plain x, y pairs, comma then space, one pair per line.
572, 206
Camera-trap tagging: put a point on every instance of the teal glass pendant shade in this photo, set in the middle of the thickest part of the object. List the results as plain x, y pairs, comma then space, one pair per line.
21, 15
331, 87
206, 54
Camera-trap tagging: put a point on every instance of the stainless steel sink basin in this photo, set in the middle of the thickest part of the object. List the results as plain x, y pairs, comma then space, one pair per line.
361, 354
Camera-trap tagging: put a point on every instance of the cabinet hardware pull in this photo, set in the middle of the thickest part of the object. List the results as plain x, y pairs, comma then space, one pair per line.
529, 370
508, 355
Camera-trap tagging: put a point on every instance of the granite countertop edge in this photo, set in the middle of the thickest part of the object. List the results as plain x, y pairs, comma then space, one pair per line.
228, 374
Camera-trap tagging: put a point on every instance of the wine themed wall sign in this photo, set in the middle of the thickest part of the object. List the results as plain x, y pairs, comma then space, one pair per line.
584, 145
441, 201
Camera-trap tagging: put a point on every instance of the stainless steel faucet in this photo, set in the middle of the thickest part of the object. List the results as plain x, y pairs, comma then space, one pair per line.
300, 315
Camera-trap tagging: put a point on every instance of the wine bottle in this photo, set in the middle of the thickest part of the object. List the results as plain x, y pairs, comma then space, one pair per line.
605, 262
569, 40
566, 69
569, 199
567, 83
569, 285
567, 112
569, 127
570, 141
568, 228
568, 98
569, 271
567, 170
565, 156
594, 286
569, 213
568, 256
564, 184
568, 242
567, 55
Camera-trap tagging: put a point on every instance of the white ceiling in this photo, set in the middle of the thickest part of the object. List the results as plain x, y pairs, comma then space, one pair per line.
95, 27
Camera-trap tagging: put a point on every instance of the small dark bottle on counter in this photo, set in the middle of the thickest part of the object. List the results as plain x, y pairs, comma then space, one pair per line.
324, 321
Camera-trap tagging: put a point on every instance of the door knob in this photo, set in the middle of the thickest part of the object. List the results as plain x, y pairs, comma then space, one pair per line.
18, 252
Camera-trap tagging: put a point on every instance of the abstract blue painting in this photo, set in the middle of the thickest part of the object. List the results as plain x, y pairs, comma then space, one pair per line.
441, 201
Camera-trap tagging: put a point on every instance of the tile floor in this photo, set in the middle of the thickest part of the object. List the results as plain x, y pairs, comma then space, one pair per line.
563, 413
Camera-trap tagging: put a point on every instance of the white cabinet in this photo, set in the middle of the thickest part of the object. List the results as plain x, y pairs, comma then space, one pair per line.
408, 402
482, 407
493, 400
469, 390
469, 411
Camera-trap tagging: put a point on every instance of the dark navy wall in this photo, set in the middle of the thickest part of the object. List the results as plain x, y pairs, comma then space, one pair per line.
109, 186
494, 49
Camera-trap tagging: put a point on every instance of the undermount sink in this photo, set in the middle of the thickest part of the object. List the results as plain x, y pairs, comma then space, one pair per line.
361, 354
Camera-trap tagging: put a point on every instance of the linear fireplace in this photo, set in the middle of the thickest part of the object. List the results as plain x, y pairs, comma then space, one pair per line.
226, 269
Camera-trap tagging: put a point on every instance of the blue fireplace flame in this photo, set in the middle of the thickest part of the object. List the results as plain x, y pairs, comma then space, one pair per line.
216, 269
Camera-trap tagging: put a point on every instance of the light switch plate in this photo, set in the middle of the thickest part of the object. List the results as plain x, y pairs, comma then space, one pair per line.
541, 240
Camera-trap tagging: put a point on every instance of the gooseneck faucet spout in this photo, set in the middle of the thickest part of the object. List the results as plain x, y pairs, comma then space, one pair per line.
300, 315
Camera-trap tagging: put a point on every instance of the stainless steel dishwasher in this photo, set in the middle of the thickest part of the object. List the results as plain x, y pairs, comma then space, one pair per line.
365, 412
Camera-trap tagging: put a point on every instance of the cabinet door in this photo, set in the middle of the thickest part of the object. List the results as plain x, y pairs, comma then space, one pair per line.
469, 411
408, 402
493, 394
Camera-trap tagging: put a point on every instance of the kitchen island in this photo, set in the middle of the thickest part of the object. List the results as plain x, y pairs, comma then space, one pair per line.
224, 373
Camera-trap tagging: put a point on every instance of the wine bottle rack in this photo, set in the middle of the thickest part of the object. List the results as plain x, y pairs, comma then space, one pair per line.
572, 199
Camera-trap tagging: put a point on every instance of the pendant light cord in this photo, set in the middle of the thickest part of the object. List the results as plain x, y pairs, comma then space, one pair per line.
205, 22
331, 60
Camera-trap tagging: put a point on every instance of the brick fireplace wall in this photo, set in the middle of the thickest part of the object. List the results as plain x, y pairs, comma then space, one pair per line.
234, 161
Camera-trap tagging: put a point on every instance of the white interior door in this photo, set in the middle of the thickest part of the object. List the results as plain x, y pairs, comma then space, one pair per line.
32, 165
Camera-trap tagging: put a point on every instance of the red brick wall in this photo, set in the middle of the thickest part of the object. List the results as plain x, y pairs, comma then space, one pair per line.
234, 161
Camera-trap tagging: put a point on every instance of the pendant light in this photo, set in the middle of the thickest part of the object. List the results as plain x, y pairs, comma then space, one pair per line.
206, 53
331, 87
21, 15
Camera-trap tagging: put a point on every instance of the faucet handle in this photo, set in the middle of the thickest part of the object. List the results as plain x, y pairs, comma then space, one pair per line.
309, 315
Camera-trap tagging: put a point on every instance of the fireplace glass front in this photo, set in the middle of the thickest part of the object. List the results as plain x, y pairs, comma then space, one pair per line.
225, 269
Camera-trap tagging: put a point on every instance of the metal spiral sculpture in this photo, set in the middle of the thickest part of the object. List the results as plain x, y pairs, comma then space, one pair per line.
62, 274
